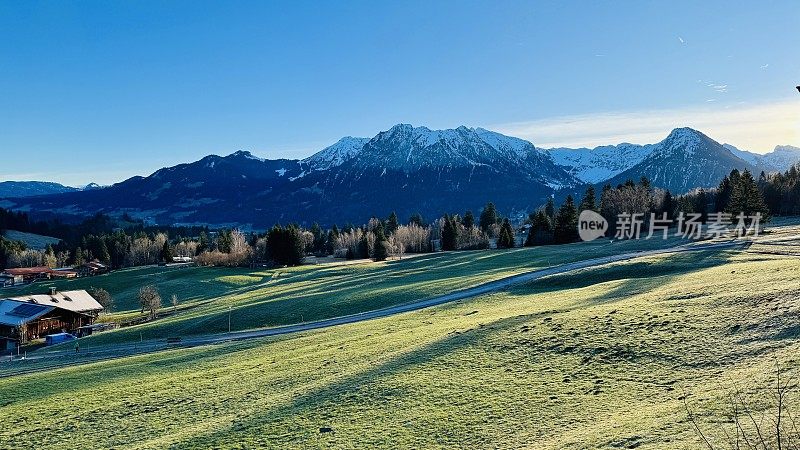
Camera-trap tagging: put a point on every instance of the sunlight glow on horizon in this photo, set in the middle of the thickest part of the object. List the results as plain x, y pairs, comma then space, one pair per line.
756, 128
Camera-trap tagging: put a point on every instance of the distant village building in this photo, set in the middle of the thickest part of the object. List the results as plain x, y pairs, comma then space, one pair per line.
92, 268
30, 317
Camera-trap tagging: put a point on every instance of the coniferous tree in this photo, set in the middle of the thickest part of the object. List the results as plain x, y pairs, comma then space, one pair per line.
506, 237
417, 219
701, 204
449, 234
668, 204
746, 198
566, 222
318, 246
392, 224
363, 247
723, 194
285, 245
381, 251
203, 243
469, 220
488, 217
166, 252
550, 208
588, 202
541, 231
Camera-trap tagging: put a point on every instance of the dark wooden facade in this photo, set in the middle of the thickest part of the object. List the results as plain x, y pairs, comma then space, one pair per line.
56, 321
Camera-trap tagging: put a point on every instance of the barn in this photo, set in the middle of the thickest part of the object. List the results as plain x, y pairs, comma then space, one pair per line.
30, 317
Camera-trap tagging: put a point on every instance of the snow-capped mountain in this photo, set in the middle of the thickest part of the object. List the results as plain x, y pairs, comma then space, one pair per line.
685, 160
409, 149
600, 163
778, 160
405, 169
333, 156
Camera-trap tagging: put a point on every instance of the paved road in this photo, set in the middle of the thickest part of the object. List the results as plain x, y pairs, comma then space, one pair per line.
113, 351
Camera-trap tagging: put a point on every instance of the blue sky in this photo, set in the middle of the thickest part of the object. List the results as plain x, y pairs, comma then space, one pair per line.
100, 91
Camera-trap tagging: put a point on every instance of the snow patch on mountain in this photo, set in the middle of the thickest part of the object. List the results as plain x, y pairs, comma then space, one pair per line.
778, 160
600, 163
335, 155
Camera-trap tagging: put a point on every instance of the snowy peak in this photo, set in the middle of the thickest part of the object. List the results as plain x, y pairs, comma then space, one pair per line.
600, 163
243, 154
778, 160
684, 141
412, 147
337, 154
503, 143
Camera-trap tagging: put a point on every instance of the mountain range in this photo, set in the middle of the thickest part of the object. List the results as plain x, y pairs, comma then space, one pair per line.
405, 169
34, 188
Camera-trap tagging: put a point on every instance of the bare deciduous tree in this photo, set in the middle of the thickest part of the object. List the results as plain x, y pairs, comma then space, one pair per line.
774, 427
150, 300
103, 297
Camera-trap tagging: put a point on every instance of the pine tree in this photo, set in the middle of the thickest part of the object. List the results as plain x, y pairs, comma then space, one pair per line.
417, 219
203, 243
701, 204
668, 204
506, 237
488, 217
392, 224
449, 234
166, 252
319, 238
285, 245
588, 203
541, 229
566, 223
469, 220
381, 251
746, 198
550, 208
723, 194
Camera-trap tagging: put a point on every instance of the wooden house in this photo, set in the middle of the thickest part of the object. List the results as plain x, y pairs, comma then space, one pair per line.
30, 317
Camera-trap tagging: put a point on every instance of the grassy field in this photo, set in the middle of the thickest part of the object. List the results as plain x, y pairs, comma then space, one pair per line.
593, 359
263, 298
34, 241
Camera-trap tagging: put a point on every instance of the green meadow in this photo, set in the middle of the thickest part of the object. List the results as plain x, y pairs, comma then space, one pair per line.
264, 298
598, 358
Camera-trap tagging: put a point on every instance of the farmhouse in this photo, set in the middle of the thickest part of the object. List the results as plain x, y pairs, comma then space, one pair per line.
10, 280
29, 274
92, 268
23, 319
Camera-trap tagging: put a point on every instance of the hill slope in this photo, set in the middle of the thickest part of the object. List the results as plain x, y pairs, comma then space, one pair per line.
601, 358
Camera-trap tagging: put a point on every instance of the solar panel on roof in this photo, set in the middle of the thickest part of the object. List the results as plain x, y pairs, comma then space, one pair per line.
26, 310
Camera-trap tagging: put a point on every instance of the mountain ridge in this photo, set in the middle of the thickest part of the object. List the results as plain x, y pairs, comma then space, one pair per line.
405, 168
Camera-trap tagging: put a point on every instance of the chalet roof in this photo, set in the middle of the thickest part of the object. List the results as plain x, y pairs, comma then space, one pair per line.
75, 301
15, 313
28, 270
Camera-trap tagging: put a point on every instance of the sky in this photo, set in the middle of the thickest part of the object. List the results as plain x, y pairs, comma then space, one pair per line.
101, 91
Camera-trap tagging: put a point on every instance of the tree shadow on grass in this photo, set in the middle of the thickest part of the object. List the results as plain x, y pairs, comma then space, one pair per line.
361, 384
638, 276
